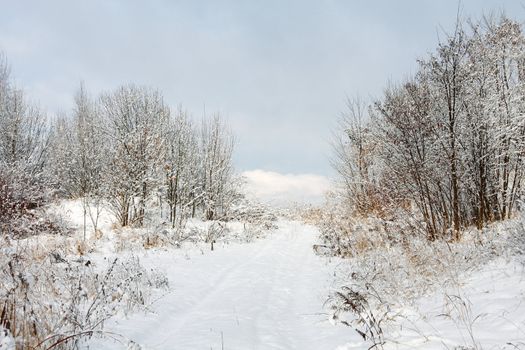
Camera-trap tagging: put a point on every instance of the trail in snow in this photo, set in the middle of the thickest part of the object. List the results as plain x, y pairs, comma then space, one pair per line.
264, 295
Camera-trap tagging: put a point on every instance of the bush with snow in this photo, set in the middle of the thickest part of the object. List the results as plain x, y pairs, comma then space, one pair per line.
22, 198
6, 339
390, 265
51, 299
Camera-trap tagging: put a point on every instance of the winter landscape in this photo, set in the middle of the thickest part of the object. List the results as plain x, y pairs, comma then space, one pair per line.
233, 175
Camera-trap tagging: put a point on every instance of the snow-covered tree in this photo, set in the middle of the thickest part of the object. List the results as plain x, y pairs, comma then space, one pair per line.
77, 159
355, 159
182, 160
216, 169
24, 139
449, 142
23, 128
135, 121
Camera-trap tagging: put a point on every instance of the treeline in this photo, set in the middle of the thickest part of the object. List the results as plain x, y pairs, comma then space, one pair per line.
126, 149
447, 144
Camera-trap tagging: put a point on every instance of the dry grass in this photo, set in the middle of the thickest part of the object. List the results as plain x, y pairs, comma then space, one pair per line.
390, 264
52, 299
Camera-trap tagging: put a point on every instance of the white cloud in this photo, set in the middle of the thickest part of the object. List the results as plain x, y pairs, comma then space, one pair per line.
273, 187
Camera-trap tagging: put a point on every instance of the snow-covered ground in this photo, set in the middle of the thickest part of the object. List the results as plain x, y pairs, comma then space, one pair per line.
268, 294
486, 311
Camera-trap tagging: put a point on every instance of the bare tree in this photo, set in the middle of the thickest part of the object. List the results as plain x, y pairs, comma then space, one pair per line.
355, 159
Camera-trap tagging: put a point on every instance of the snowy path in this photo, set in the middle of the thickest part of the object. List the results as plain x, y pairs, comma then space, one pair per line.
263, 295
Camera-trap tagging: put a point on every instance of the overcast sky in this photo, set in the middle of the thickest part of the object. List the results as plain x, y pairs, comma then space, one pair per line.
278, 70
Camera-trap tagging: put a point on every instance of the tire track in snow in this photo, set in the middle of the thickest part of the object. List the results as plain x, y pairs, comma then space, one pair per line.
264, 295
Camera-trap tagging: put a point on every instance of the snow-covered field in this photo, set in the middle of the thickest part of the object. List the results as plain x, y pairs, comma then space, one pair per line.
269, 294
487, 311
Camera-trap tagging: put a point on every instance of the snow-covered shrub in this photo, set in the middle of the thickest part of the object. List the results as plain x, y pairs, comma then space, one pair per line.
248, 220
21, 198
390, 263
50, 300
244, 222
347, 236
368, 322
6, 339
214, 232
310, 215
158, 238
389, 271
253, 213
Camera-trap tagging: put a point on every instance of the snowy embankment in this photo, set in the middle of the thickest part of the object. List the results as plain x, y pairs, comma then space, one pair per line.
268, 294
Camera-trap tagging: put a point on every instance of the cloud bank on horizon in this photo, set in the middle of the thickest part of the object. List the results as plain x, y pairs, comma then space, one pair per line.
284, 189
